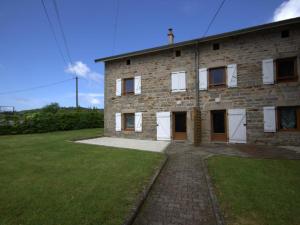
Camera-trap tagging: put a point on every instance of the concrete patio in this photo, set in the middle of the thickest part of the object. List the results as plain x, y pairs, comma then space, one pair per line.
145, 145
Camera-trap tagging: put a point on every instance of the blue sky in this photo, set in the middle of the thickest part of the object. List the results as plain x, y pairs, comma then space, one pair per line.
29, 56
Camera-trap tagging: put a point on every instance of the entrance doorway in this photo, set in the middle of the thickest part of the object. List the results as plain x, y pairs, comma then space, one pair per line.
179, 125
218, 125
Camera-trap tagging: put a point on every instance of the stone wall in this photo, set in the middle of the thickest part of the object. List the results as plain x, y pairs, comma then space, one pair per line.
155, 70
247, 51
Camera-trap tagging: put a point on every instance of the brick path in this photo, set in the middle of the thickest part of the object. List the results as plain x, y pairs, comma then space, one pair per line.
180, 196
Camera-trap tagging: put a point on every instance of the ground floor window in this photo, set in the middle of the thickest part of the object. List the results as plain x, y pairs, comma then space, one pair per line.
288, 118
129, 121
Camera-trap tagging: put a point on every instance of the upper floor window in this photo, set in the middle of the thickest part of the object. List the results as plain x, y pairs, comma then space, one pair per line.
286, 69
128, 86
217, 76
216, 46
128, 62
285, 33
178, 81
288, 118
177, 53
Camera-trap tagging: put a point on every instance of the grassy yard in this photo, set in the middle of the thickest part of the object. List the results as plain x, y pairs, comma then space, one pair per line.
46, 179
257, 192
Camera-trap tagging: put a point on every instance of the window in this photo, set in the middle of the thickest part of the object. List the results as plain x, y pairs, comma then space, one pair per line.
288, 118
285, 33
128, 62
178, 53
128, 86
217, 77
286, 69
216, 46
129, 121
178, 81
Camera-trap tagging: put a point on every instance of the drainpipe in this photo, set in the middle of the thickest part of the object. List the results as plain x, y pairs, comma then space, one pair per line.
197, 75
197, 105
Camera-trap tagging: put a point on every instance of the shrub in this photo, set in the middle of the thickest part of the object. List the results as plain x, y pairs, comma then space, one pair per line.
50, 118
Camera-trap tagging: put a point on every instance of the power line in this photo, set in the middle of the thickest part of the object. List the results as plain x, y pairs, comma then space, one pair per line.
36, 87
116, 26
62, 31
213, 19
53, 32
67, 47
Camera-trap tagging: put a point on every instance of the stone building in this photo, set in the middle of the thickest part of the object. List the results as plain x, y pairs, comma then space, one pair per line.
237, 87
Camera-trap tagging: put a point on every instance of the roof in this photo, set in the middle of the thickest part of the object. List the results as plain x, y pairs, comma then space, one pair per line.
204, 39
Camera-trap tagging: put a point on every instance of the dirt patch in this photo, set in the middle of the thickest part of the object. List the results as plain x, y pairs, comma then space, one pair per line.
267, 152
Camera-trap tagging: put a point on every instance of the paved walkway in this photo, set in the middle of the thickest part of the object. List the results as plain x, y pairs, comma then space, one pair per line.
180, 195
146, 145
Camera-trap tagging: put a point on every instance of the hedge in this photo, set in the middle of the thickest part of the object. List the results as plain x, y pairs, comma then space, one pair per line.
50, 119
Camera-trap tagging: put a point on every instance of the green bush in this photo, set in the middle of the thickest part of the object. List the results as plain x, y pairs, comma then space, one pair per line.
50, 118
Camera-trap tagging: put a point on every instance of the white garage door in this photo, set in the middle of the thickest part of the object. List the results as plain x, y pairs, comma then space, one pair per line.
237, 125
163, 120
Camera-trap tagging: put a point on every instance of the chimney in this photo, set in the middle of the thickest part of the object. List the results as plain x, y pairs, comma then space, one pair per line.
171, 36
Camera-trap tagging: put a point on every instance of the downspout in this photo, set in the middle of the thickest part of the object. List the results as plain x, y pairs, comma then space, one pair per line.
197, 75
197, 105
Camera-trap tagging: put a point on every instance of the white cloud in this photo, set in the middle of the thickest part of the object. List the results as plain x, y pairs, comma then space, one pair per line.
81, 69
287, 10
92, 99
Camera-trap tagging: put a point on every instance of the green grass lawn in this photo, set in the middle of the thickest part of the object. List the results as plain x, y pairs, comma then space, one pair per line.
257, 192
46, 179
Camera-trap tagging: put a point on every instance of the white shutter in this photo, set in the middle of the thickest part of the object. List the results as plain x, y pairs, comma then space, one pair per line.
178, 81
268, 71
138, 122
203, 79
137, 85
269, 119
118, 122
232, 75
118, 87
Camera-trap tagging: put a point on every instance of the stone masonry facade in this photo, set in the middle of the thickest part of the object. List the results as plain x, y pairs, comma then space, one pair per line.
246, 51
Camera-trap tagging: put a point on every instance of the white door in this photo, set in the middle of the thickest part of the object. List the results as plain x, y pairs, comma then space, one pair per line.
163, 120
237, 125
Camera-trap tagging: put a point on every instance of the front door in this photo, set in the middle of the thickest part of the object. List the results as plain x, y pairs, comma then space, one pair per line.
237, 125
163, 126
218, 125
179, 125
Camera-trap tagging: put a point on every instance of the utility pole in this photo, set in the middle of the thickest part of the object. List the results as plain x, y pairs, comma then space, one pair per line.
76, 78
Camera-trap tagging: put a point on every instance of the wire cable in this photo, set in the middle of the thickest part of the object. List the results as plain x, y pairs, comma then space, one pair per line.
62, 31
36, 87
214, 17
53, 32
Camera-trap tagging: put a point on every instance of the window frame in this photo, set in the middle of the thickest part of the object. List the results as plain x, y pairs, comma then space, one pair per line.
297, 108
124, 86
210, 84
125, 115
289, 78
